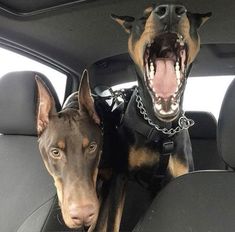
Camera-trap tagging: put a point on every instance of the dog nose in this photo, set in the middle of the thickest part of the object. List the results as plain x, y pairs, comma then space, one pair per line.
170, 12
82, 215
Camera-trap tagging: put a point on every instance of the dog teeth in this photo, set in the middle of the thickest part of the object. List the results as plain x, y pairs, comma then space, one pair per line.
147, 69
177, 70
174, 106
151, 75
180, 40
158, 106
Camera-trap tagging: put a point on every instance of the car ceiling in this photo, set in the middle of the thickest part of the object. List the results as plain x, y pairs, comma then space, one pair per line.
75, 34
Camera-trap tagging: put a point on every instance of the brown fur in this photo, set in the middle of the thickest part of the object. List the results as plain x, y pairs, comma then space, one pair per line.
176, 167
140, 157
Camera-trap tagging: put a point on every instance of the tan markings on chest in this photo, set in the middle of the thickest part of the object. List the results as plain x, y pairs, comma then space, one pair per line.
139, 157
177, 167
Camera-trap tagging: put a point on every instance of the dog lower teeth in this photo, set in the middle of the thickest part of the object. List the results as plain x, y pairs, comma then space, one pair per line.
174, 107
158, 107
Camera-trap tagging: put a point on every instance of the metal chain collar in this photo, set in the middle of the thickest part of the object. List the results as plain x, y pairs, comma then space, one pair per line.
183, 122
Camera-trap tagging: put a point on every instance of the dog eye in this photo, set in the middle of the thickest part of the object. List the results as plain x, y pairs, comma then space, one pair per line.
92, 147
55, 153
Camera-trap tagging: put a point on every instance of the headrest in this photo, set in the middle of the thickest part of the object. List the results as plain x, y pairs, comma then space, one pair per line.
205, 125
226, 127
18, 101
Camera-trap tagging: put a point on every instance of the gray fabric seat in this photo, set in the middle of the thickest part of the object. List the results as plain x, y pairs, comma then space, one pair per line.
203, 139
26, 190
200, 201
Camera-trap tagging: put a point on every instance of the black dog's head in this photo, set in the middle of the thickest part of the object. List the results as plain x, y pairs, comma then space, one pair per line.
163, 43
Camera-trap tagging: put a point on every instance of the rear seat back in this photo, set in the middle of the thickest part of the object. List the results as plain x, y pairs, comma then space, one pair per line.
203, 139
26, 190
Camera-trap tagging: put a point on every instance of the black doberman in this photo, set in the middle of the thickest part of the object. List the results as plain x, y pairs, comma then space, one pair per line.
163, 43
70, 142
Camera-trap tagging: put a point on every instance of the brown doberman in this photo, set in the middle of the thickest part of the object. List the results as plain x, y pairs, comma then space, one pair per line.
70, 142
163, 43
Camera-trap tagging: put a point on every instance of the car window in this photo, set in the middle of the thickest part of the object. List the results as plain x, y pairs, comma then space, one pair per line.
11, 61
206, 93
201, 94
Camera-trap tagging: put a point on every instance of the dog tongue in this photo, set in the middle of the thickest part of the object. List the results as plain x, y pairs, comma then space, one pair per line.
165, 82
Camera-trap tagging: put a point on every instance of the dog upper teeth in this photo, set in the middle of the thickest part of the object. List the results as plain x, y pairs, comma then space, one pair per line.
180, 40
151, 73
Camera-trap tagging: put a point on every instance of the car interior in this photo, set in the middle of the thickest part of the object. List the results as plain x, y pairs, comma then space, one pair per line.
72, 35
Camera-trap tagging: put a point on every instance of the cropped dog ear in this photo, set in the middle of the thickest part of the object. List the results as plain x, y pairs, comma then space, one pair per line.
45, 105
200, 19
86, 101
125, 21
148, 11
203, 18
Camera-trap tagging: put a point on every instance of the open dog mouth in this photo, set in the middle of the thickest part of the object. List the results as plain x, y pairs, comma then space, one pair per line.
165, 61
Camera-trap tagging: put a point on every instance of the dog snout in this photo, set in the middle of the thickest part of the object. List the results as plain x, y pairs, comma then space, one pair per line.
169, 12
82, 215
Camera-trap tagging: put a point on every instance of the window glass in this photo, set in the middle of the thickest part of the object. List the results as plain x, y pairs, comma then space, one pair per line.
206, 93
11, 61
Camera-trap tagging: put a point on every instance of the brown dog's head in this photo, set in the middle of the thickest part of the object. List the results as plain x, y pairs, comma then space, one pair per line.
163, 43
70, 143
